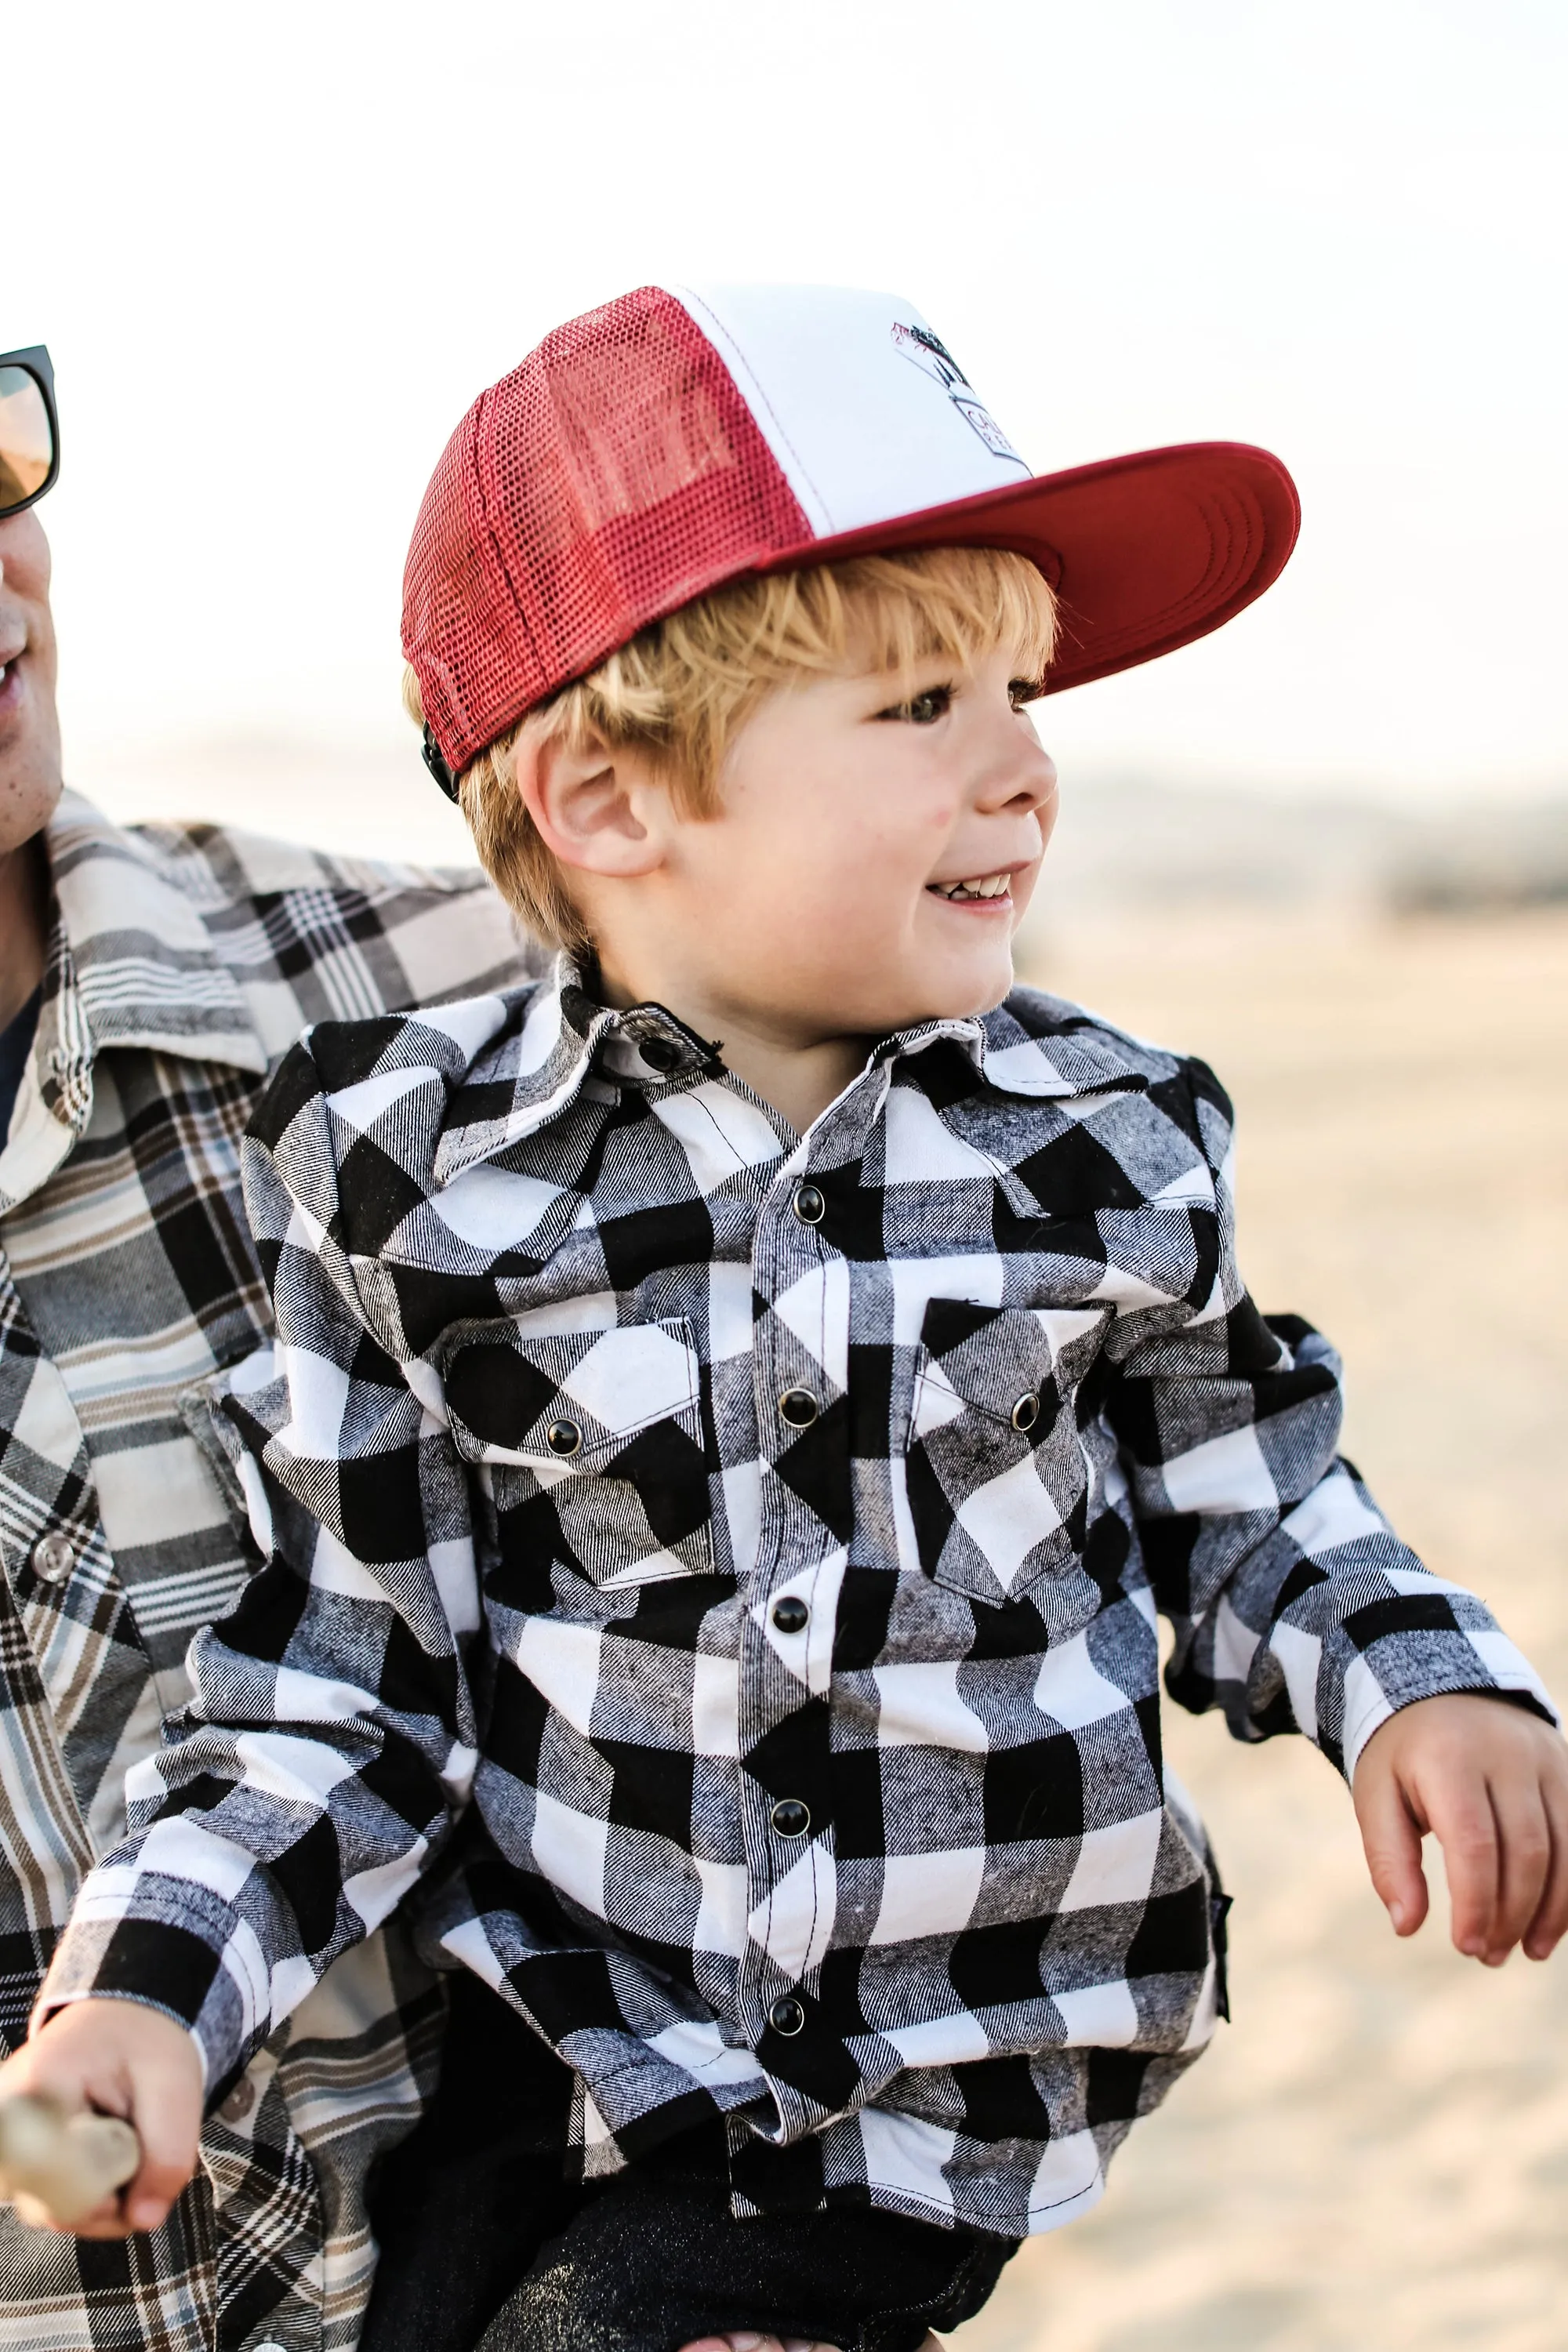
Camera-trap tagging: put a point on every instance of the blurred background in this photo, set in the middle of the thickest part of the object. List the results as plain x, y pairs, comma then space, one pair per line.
276, 252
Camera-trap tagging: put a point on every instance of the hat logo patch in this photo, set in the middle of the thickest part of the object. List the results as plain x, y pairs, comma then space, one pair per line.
932, 356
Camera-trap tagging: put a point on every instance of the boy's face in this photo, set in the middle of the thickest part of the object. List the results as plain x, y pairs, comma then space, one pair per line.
876, 847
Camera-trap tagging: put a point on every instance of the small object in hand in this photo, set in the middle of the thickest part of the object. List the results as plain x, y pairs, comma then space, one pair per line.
56, 2167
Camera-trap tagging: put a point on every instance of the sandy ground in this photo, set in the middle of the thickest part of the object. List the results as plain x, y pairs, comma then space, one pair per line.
1375, 2152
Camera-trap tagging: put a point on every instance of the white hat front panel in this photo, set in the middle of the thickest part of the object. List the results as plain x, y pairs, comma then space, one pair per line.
866, 412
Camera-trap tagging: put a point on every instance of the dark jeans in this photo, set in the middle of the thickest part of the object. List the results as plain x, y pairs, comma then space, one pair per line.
483, 2241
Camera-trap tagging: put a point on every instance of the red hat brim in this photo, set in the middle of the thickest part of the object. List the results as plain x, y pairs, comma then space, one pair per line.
1145, 552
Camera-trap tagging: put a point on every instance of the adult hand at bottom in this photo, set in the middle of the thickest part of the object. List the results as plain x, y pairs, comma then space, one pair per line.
746, 2339
119, 2058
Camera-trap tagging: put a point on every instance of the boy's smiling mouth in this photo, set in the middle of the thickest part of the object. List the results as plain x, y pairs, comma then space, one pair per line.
975, 889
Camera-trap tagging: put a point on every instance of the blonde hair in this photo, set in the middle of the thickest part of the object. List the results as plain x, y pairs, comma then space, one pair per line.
681, 690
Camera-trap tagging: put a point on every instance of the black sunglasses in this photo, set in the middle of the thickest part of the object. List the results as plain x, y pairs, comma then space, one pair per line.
29, 429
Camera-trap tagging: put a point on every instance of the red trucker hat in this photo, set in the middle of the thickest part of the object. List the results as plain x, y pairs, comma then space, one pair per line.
681, 437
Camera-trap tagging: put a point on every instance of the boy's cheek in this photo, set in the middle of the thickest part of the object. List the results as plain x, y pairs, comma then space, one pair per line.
1022, 891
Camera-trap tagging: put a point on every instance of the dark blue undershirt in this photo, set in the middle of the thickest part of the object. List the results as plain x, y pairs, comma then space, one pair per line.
16, 1045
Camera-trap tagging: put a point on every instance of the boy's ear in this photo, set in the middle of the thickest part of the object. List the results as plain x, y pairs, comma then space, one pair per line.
591, 805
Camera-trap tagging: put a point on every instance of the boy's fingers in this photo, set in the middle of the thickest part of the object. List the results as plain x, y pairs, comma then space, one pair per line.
1524, 1862
1393, 1844
1463, 1821
1551, 1921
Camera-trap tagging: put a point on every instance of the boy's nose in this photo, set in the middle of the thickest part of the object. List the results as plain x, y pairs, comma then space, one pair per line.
1021, 778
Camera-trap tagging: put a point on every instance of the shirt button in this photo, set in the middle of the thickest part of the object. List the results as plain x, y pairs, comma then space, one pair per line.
54, 1556
660, 1053
790, 1614
1026, 1411
792, 1818
563, 1437
810, 1206
786, 2015
799, 1408
239, 2102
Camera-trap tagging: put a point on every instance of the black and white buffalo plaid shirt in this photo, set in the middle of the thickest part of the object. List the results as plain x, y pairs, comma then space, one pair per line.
182, 964
723, 1568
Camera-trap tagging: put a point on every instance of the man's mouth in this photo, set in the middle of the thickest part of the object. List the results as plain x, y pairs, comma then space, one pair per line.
977, 886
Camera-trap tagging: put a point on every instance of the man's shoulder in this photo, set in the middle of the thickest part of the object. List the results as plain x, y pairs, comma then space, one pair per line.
310, 936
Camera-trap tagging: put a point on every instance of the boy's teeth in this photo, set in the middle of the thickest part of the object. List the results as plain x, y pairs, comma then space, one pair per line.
983, 885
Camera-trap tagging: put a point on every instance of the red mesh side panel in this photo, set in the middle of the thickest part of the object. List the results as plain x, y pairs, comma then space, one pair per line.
616, 474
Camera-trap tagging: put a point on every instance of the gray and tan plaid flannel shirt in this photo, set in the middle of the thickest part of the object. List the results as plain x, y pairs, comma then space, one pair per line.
183, 962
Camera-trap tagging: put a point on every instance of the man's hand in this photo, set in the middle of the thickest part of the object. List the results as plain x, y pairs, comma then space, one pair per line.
1490, 1782
120, 2059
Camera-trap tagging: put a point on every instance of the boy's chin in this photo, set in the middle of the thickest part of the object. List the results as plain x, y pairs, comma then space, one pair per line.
965, 1000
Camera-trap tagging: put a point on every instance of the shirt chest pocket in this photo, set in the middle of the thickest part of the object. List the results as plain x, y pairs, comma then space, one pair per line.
997, 1479
596, 1437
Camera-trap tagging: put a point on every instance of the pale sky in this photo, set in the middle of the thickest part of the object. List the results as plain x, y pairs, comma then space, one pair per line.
275, 252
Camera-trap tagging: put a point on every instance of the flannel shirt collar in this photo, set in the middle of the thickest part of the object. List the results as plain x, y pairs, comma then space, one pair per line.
127, 962
563, 1034
131, 954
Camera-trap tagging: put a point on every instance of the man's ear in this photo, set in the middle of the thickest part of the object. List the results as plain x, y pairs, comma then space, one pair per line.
596, 809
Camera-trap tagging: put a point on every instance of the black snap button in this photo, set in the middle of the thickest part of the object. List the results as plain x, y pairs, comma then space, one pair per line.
563, 1437
790, 1614
1026, 1411
659, 1054
799, 1408
786, 2015
791, 1817
810, 1206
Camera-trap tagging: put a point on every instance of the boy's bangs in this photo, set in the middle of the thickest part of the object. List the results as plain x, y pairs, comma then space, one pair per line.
886, 614
960, 604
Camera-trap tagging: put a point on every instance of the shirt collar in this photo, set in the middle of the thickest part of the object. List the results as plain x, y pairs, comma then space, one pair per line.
535, 1055
537, 1050
130, 949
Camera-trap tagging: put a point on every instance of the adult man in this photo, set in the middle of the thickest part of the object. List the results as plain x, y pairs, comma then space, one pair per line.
149, 979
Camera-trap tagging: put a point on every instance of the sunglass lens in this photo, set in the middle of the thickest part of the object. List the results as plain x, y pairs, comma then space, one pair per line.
27, 443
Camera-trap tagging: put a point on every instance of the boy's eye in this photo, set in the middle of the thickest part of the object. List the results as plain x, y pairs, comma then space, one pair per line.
1025, 690
921, 709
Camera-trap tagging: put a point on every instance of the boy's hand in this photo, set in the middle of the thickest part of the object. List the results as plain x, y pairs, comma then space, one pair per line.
1490, 1782
120, 2059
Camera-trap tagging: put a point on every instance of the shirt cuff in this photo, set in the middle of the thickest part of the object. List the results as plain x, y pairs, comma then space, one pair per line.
177, 1948
1400, 1669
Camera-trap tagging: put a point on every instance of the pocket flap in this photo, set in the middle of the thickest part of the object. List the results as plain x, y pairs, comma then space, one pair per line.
568, 1400
997, 1361
996, 1475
